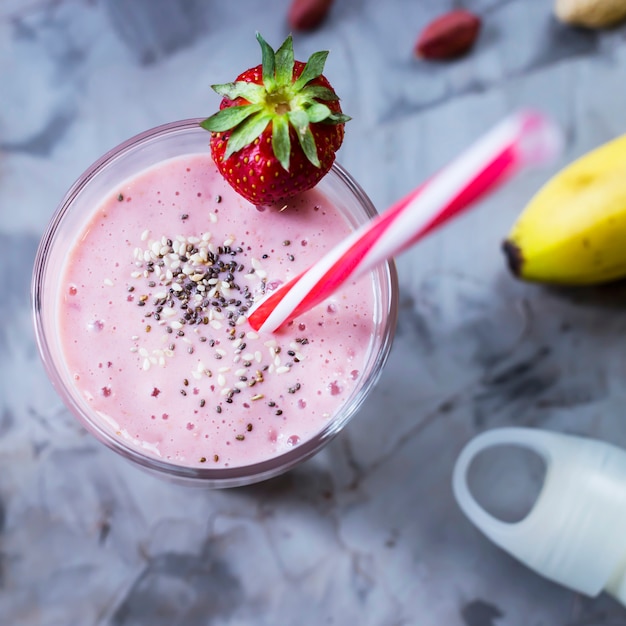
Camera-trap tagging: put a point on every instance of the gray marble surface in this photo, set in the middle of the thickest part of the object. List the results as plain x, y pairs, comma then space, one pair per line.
367, 532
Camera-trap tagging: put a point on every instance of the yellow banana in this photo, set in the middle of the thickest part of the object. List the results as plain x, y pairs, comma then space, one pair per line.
573, 231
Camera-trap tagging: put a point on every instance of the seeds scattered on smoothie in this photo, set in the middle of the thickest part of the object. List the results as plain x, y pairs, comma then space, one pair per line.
192, 282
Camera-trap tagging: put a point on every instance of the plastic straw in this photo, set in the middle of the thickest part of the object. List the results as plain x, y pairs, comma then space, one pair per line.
526, 138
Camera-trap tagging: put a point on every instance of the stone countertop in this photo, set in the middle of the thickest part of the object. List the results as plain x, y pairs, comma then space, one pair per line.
367, 532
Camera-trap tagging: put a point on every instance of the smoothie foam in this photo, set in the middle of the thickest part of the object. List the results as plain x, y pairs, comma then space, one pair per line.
152, 313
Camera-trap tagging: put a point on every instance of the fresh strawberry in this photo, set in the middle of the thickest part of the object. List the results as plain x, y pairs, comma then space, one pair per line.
278, 127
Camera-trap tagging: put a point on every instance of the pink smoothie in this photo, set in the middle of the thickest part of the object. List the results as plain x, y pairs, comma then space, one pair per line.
153, 322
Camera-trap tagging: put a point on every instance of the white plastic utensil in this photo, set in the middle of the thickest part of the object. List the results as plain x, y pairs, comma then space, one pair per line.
575, 534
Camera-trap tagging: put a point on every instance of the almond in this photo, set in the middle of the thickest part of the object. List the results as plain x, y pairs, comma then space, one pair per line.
449, 36
591, 13
307, 14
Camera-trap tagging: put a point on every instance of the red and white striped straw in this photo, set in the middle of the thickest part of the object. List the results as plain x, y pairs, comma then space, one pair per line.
525, 138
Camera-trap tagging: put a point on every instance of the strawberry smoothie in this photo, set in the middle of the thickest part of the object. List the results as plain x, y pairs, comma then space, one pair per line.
151, 301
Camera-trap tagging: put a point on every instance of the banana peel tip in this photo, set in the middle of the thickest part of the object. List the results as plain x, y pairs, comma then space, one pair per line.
514, 258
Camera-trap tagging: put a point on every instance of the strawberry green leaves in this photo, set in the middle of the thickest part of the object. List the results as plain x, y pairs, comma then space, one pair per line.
281, 104
247, 132
231, 117
300, 121
284, 62
281, 143
313, 68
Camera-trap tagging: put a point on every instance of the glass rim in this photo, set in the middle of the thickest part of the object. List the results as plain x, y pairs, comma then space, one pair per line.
213, 477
